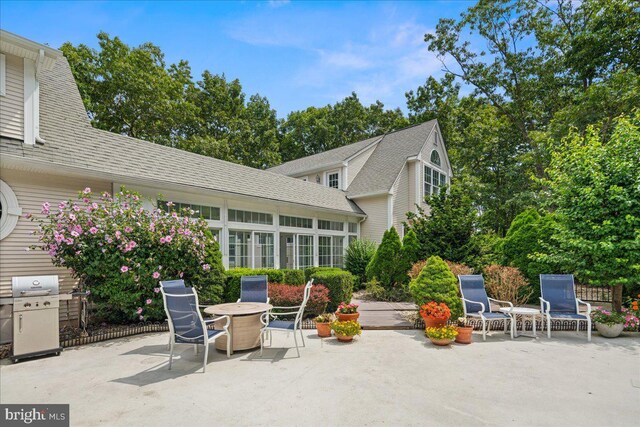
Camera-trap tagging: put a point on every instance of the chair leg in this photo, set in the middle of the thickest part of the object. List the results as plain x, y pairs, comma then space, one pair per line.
261, 342
548, 326
505, 326
206, 355
295, 339
171, 353
302, 336
169, 343
484, 329
512, 326
228, 346
588, 329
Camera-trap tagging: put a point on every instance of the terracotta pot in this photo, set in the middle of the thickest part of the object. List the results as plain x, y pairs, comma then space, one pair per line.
346, 317
324, 329
430, 322
344, 338
443, 342
464, 335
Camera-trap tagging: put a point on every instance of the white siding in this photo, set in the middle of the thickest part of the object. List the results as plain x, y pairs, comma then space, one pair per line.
31, 191
401, 202
376, 223
12, 105
355, 165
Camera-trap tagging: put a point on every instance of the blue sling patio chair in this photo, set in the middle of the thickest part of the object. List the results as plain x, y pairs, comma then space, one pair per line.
254, 289
175, 284
476, 303
272, 323
558, 301
186, 325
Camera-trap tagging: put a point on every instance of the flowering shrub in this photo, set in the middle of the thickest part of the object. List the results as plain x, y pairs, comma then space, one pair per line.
631, 315
600, 315
288, 296
120, 251
345, 308
347, 328
507, 284
448, 332
325, 318
435, 311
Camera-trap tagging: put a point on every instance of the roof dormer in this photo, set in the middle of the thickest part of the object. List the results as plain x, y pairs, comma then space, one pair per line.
21, 61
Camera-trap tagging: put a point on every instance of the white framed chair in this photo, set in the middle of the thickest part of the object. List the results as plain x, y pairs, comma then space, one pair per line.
254, 289
273, 324
559, 301
186, 324
476, 303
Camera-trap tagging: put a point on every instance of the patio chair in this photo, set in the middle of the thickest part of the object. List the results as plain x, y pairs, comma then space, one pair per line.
272, 323
558, 301
175, 284
476, 303
254, 289
186, 325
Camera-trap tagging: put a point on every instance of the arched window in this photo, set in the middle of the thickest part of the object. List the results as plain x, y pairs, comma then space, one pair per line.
435, 158
9, 210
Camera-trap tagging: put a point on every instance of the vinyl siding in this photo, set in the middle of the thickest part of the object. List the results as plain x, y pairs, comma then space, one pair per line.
31, 191
12, 104
376, 223
356, 164
401, 204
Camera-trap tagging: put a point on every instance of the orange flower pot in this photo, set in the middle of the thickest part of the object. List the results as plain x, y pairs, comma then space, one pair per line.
465, 335
344, 338
346, 317
441, 342
324, 329
430, 322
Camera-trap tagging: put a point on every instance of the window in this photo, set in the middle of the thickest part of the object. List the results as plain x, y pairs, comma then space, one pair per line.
10, 211
330, 225
201, 211
216, 233
263, 250
353, 227
333, 179
236, 215
294, 221
352, 239
435, 157
239, 249
338, 251
331, 251
433, 180
324, 248
305, 251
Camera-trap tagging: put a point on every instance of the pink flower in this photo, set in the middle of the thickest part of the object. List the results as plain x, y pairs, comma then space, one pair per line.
58, 237
62, 205
162, 240
139, 310
141, 317
28, 215
148, 301
156, 290
132, 244
86, 190
156, 275
74, 233
118, 234
93, 230
128, 229
69, 241
124, 269
206, 267
76, 208
45, 208
72, 217
168, 239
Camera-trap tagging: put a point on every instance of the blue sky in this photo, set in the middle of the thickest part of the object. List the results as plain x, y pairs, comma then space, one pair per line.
297, 54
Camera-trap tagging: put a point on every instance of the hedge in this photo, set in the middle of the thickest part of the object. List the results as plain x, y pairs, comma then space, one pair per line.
284, 276
339, 282
291, 295
311, 271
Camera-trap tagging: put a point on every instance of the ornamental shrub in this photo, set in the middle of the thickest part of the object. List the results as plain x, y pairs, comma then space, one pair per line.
234, 275
340, 285
291, 295
436, 283
309, 272
411, 248
507, 284
357, 257
119, 252
388, 265
459, 269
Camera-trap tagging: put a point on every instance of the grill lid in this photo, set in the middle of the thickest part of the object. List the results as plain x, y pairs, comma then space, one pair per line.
31, 286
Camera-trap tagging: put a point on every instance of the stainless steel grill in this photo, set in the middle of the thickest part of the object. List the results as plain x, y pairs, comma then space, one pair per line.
36, 329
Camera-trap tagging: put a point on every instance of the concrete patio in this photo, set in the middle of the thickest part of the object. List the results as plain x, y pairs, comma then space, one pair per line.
385, 378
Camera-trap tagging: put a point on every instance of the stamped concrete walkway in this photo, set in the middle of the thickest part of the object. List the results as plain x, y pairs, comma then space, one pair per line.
384, 315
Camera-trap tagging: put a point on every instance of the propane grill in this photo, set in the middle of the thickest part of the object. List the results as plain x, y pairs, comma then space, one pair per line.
36, 330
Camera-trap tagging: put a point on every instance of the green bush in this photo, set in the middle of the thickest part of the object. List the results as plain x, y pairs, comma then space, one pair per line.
309, 272
388, 265
284, 276
340, 285
437, 283
411, 248
357, 257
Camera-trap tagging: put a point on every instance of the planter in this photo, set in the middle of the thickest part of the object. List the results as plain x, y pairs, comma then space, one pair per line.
441, 342
609, 331
344, 338
465, 335
430, 322
324, 329
346, 317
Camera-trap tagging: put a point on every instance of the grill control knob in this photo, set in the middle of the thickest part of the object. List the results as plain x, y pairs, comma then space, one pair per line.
27, 304
47, 303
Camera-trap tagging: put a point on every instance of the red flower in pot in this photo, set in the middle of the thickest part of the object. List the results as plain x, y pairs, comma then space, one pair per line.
435, 314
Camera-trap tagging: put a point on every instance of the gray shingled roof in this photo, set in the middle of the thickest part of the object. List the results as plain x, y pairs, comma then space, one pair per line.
72, 141
323, 160
385, 163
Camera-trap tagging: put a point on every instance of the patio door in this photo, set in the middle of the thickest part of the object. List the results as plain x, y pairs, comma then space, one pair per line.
287, 250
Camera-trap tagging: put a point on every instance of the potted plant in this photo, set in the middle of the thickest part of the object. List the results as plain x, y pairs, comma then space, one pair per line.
465, 331
346, 330
442, 335
323, 324
434, 314
347, 312
609, 323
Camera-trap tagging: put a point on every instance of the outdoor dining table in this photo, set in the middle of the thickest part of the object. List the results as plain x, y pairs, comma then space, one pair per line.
245, 325
514, 312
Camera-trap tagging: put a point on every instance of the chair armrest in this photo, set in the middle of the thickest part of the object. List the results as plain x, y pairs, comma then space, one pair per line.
283, 314
502, 302
475, 302
585, 303
543, 303
226, 325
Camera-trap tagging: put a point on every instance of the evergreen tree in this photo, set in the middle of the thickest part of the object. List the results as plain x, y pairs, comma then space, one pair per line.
387, 266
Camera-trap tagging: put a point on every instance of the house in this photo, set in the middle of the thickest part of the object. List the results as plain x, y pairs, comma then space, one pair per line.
386, 176
280, 218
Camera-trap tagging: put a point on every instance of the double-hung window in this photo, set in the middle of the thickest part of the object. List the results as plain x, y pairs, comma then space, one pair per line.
333, 179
